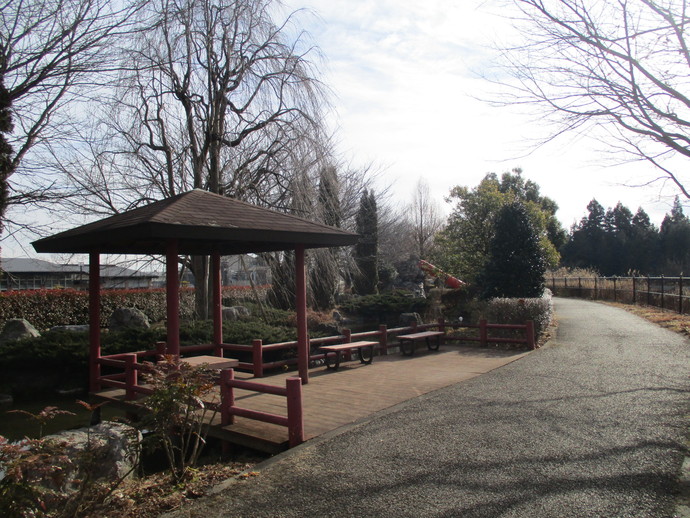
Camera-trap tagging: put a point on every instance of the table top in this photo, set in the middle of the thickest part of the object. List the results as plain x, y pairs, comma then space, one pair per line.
212, 362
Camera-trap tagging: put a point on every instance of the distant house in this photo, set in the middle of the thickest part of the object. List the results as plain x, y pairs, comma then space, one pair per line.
34, 274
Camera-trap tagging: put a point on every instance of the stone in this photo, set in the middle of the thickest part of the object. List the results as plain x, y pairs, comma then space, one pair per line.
16, 329
409, 318
233, 313
128, 318
110, 449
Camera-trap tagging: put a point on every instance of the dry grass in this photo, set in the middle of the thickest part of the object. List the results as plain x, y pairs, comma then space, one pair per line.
668, 319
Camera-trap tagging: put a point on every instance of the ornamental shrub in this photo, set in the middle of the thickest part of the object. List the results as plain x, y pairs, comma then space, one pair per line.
519, 310
48, 308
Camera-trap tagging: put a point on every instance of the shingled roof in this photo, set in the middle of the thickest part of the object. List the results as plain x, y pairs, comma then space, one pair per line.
203, 223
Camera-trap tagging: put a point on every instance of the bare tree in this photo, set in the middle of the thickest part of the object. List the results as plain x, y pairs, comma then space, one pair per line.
425, 218
217, 97
618, 66
50, 52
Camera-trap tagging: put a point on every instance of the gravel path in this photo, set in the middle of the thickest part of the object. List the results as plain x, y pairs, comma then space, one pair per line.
594, 424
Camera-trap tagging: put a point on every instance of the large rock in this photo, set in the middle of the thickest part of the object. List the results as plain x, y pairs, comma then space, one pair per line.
16, 329
109, 450
128, 318
234, 313
407, 319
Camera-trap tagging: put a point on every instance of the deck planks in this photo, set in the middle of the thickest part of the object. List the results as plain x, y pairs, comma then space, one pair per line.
333, 399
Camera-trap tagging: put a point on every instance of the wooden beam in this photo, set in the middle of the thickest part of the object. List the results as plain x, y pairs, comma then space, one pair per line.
94, 321
217, 299
172, 292
301, 307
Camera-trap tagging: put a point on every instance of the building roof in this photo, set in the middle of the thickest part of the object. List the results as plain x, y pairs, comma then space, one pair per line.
203, 223
19, 265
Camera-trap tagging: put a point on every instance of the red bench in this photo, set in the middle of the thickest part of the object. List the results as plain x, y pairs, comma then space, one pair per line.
362, 347
410, 339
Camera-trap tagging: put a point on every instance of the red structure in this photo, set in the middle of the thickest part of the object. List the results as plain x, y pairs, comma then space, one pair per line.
450, 281
195, 223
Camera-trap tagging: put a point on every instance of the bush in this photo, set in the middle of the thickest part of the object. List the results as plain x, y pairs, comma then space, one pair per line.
518, 311
386, 304
48, 308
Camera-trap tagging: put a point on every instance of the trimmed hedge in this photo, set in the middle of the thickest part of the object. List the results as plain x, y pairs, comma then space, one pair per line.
48, 308
385, 304
519, 310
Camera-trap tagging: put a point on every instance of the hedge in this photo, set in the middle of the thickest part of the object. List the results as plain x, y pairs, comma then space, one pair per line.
519, 310
59, 307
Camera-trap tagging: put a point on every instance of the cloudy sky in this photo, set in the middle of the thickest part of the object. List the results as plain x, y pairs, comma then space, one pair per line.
407, 78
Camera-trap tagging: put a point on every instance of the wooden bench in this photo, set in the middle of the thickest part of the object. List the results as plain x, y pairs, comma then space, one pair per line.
410, 339
339, 348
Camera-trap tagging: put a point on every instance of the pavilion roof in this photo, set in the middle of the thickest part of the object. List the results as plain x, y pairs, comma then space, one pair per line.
203, 223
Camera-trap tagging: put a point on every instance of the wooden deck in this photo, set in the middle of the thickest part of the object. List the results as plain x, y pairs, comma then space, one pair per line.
332, 399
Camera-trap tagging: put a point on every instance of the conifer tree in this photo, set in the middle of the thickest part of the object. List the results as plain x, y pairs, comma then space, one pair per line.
366, 251
516, 263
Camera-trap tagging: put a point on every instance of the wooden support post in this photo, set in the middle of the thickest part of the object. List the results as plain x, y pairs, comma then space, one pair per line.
131, 376
301, 302
227, 397
483, 334
383, 339
94, 321
217, 303
531, 339
347, 333
172, 293
258, 358
295, 411
161, 349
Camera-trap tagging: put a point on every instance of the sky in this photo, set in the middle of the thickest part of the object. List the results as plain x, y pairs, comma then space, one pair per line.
407, 84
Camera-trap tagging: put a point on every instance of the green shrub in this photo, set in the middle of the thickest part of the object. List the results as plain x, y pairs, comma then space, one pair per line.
56, 307
518, 311
378, 306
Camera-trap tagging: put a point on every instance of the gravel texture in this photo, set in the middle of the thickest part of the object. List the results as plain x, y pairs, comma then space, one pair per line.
595, 424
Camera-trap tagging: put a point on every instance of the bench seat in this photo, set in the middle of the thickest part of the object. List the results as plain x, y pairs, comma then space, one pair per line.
407, 342
339, 348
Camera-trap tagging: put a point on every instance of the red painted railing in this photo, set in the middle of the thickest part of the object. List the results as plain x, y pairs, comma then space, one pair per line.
294, 420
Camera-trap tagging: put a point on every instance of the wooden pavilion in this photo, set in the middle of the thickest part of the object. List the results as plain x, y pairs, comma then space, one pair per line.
195, 223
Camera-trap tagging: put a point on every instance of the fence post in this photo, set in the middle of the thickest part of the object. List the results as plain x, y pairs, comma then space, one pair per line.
648, 290
680, 294
227, 397
596, 288
161, 349
294, 411
634, 290
553, 284
131, 376
529, 329
383, 339
662, 291
615, 293
483, 335
258, 358
579, 287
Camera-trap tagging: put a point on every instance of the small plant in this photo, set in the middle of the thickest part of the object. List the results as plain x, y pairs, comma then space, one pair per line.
177, 412
48, 477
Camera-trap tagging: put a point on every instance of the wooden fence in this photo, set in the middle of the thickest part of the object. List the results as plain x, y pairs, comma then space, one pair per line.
671, 293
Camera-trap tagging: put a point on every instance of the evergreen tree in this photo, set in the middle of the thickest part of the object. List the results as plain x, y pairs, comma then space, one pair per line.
516, 264
324, 273
675, 240
366, 251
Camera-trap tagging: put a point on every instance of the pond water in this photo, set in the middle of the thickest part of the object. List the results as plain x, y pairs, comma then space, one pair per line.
16, 426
